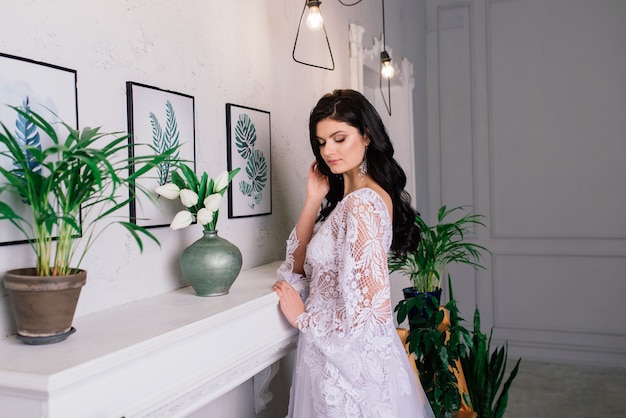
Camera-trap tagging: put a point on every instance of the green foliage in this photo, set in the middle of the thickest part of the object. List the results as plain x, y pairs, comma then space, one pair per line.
256, 165
440, 245
186, 178
165, 140
81, 174
435, 357
484, 373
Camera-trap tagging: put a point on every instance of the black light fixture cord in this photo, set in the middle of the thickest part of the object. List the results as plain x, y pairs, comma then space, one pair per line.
384, 38
387, 102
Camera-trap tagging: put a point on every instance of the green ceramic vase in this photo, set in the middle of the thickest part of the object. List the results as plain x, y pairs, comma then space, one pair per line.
211, 264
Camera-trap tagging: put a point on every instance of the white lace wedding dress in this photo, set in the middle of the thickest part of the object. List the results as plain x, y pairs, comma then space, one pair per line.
350, 361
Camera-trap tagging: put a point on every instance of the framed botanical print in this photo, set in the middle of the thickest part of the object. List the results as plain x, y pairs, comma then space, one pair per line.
248, 133
165, 120
46, 89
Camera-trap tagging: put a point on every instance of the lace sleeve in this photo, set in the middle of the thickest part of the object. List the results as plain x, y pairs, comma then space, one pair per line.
285, 271
362, 289
365, 283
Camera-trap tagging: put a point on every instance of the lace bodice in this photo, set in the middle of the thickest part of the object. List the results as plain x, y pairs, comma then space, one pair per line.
348, 337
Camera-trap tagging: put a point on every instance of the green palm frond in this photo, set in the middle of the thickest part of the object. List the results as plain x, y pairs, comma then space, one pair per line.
441, 244
86, 170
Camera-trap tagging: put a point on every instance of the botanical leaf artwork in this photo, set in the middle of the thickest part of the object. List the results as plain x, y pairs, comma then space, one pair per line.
256, 165
164, 140
27, 135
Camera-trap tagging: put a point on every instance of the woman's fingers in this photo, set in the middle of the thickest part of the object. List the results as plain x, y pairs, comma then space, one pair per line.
290, 302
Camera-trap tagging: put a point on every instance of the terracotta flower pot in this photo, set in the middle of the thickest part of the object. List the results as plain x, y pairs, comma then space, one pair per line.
43, 306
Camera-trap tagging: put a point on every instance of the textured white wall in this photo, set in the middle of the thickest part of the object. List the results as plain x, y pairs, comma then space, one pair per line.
236, 51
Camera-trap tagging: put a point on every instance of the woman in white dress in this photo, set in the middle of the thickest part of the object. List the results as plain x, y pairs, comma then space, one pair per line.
350, 361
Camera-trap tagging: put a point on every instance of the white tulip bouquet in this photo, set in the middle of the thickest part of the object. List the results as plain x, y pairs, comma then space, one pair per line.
201, 196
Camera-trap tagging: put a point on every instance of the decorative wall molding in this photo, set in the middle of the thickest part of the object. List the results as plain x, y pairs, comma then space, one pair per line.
370, 58
537, 177
165, 356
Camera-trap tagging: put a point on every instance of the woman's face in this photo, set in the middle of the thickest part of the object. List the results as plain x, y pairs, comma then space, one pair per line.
341, 145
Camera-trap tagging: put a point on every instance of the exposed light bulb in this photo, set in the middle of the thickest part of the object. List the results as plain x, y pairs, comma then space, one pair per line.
314, 20
387, 70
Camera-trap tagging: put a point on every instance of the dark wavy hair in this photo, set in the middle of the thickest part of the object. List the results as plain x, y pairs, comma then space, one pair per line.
353, 108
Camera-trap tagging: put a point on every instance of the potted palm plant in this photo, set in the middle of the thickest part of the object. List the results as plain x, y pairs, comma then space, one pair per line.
55, 195
436, 341
440, 244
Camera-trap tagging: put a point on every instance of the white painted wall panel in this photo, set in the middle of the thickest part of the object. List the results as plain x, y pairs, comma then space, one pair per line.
455, 92
557, 113
580, 294
544, 86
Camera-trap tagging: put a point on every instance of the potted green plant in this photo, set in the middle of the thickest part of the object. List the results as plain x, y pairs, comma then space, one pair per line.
438, 344
484, 373
54, 195
440, 244
437, 353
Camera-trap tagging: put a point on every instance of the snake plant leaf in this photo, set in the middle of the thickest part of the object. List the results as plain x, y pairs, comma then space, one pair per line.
245, 136
484, 373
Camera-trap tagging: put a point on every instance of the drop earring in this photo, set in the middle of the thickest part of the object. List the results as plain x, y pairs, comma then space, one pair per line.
363, 166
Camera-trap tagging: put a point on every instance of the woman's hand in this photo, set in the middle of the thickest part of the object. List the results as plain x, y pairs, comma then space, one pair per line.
317, 185
290, 302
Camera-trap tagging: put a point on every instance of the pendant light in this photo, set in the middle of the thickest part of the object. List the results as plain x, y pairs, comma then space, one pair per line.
315, 22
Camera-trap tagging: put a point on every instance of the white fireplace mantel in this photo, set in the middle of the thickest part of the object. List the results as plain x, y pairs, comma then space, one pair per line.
165, 356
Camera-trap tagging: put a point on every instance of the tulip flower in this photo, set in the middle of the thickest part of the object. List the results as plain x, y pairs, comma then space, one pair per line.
222, 182
205, 216
168, 191
201, 196
188, 198
182, 220
212, 202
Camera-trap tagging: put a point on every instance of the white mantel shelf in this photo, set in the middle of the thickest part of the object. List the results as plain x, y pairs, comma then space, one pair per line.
165, 356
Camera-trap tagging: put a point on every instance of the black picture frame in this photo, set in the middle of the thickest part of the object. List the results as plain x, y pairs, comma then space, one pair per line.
47, 89
249, 145
161, 118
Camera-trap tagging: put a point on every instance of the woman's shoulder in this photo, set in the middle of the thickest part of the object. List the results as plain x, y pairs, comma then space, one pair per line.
373, 195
